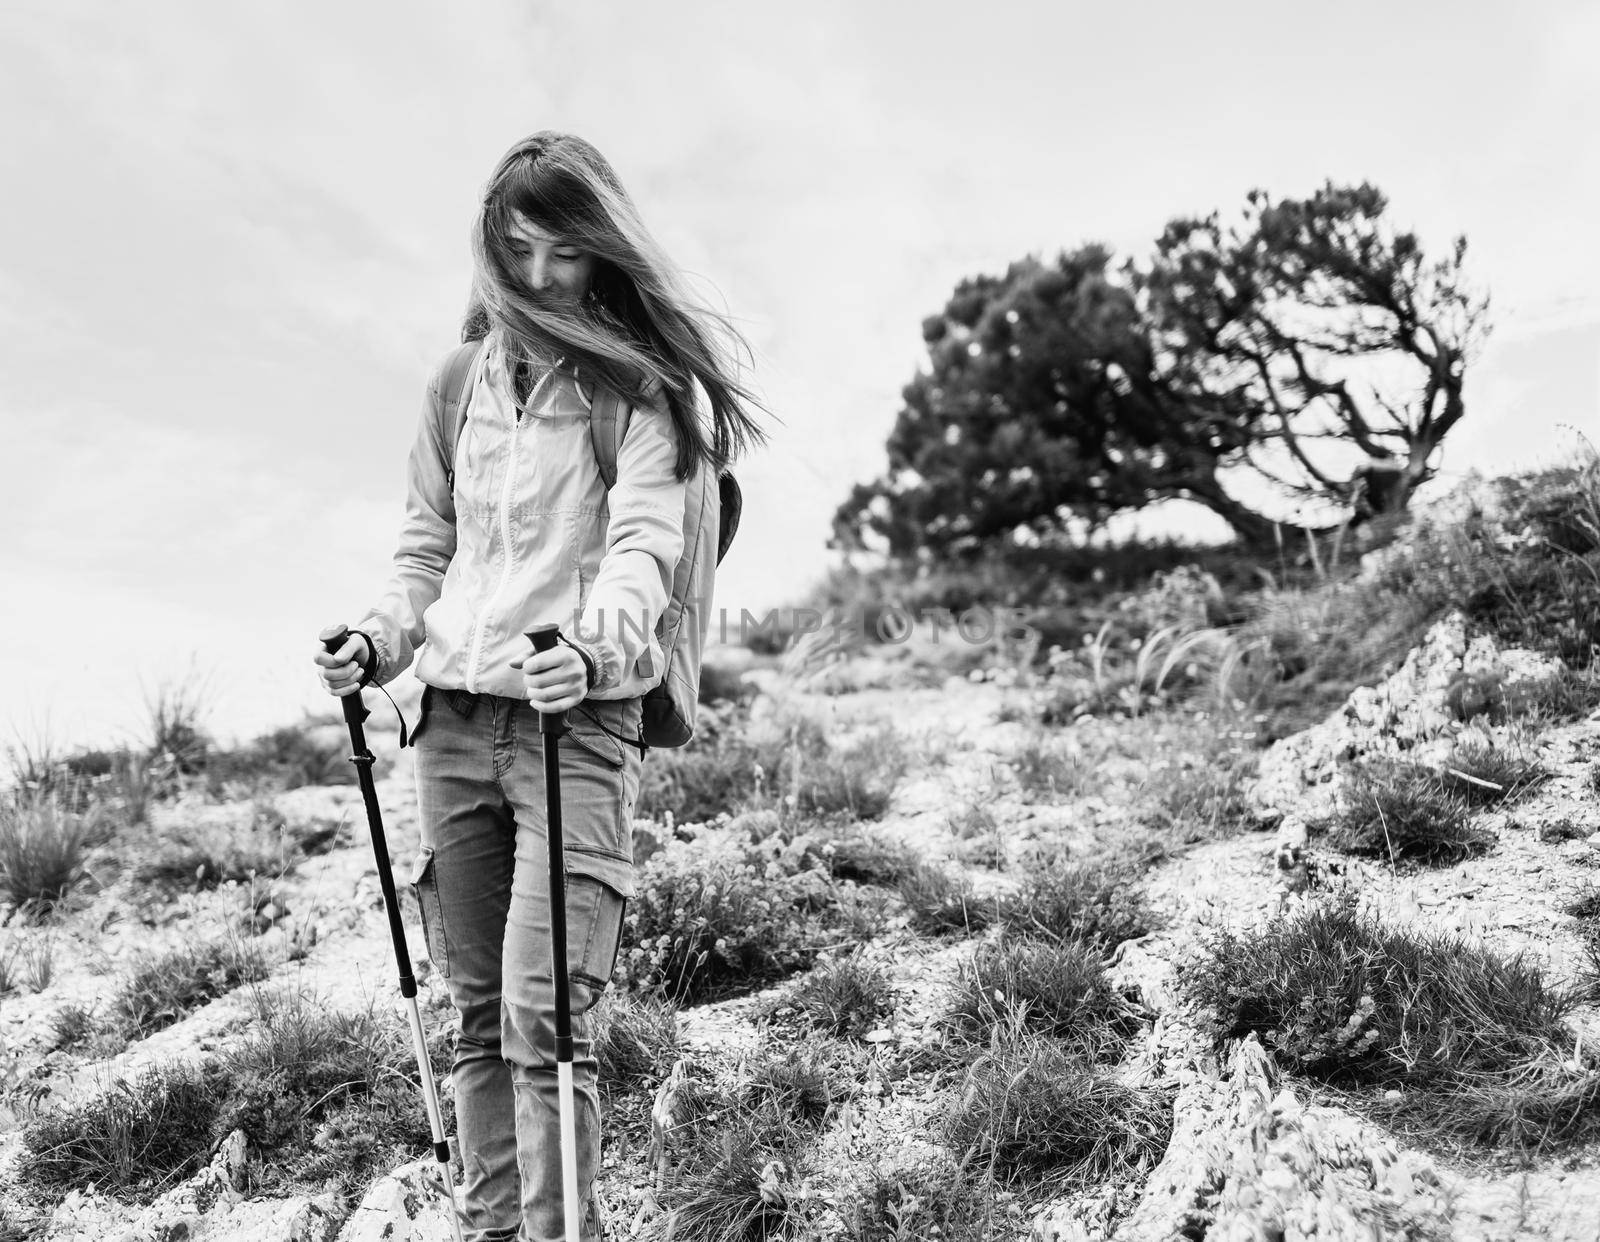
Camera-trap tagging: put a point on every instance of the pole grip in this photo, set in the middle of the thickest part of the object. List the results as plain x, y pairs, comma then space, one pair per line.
544, 638
332, 638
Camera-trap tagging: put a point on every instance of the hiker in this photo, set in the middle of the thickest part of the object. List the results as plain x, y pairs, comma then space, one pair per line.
508, 525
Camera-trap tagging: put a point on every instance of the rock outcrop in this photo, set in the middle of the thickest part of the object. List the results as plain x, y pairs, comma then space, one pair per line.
209, 1206
1436, 701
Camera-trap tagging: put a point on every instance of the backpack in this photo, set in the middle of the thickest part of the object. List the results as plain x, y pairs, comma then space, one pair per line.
711, 519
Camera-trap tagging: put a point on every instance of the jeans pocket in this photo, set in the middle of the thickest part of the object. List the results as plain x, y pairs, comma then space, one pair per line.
592, 955
593, 723
424, 884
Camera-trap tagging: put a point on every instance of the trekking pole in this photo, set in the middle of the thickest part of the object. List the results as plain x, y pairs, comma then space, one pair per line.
551, 726
355, 712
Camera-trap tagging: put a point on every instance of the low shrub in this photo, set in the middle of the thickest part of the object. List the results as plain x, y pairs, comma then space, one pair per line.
842, 996
940, 902
714, 917
286, 758
329, 1098
723, 685
1519, 567
1095, 903
207, 855
1030, 1110
1393, 810
792, 767
1336, 994
862, 856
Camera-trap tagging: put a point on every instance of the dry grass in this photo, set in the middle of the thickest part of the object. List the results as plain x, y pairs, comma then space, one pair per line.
42, 849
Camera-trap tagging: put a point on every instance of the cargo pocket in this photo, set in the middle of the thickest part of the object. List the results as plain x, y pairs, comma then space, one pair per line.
424, 885
594, 914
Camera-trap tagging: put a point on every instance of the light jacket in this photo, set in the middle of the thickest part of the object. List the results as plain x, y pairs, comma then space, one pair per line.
528, 535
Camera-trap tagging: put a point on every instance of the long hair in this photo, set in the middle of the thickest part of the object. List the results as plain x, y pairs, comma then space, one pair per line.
638, 327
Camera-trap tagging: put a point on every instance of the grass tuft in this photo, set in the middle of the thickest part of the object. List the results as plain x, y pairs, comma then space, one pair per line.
1397, 810
803, 1084
1056, 990
843, 996
1489, 776
42, 848
132, 1140
1471, 1039
1047, 770
922, 1202
940, 902
1095, 903
737, 1182
163, 990
635, 1040
1030, 1110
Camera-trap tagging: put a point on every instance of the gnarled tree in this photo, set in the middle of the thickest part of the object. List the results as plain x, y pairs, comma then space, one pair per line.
1309, 343
1351, 343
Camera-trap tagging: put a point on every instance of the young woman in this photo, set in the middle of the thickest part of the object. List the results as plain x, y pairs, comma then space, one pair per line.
513, 528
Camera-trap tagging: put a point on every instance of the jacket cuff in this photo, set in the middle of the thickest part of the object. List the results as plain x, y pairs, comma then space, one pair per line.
593, 663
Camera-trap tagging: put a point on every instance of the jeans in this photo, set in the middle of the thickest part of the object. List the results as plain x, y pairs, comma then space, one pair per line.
482, 880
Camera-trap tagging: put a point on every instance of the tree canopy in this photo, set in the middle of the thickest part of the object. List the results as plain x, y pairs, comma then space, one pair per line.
1282, 344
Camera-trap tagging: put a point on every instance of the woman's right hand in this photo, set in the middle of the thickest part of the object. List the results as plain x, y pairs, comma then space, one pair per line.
341, 671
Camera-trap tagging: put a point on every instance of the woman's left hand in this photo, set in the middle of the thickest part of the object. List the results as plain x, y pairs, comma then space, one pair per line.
554, 680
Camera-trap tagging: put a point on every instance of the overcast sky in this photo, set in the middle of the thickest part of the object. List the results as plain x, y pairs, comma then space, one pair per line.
235, 242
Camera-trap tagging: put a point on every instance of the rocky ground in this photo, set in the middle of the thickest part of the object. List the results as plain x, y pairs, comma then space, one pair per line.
1254, 1154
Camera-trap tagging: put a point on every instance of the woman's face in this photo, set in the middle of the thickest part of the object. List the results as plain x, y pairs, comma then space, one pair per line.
550, 266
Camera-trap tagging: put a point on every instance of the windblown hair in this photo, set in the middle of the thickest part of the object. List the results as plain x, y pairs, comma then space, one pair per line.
638, 327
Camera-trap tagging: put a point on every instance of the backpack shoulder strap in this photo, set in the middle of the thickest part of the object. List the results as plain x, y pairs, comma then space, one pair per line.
455, 392
609, 415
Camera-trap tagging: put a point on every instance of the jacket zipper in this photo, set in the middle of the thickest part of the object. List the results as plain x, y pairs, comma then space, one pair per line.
476, 653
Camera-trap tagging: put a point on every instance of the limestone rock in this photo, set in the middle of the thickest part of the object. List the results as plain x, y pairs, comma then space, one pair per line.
1247, 1160
1421, 713
408, 1205
209, 1206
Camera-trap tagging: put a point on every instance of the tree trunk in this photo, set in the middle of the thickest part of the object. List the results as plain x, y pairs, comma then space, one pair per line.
1253, 530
